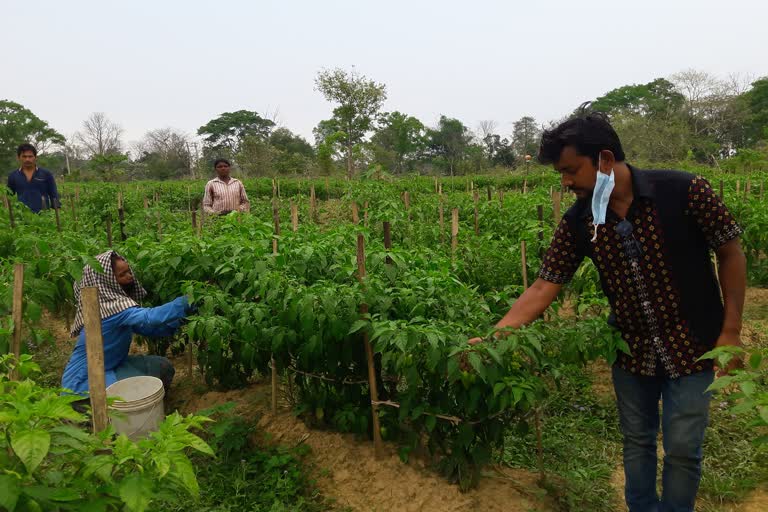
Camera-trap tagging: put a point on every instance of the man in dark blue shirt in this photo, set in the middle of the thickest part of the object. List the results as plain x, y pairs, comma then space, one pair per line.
34, 187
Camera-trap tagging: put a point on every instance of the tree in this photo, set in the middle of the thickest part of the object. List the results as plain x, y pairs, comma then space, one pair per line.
19, 125
165, 152
398, 141
498, 151
286, 141
655, 98
449, 141
525, 136
100, 136
359, 100
756, 102
227, 132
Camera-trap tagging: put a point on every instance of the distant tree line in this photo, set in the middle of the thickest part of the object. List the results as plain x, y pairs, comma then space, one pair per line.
691, 117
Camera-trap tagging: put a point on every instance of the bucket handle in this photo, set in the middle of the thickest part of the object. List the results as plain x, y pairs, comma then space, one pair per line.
145, 419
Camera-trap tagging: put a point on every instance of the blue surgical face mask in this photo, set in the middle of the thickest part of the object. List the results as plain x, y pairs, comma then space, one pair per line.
601, 196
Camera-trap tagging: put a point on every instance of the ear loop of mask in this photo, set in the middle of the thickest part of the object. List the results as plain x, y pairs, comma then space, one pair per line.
599, 165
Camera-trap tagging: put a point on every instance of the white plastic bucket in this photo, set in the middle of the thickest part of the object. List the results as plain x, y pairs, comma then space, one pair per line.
140, 408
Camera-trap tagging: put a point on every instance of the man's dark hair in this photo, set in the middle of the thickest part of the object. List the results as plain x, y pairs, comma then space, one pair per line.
26, 147
220, 161
588, 132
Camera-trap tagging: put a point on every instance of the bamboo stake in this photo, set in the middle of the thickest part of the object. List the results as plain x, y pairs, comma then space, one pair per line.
10, 211
475, 199
276, 220
312, 204
355, 213
194, 219
501, 198
442, 220
747, 188
58, 218
294, 216
388, 240
454, 232
738, 187
524, 264
407, 200
540, 214
94, 347
17, 310
377, 442
365, 214
146, 202
490, 194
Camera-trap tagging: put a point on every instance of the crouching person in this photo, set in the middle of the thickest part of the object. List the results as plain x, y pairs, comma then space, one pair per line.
121, 317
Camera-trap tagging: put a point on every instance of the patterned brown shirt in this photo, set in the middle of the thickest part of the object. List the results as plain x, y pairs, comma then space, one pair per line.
655, 269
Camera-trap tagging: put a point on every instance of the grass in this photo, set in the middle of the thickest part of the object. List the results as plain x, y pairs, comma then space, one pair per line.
249, 477
581, 441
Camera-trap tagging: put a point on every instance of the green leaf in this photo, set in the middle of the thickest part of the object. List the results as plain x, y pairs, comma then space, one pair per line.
495, 355
31, 446
430, 422
755, 359
720, 383
9, 492
498, 388
764, 414
136, 492
360, 324
748, 387
182, 469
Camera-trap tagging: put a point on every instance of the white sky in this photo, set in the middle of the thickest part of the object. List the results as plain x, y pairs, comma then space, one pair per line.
175, 63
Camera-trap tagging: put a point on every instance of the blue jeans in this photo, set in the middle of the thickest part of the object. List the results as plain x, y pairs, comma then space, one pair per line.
154, 366
684, 418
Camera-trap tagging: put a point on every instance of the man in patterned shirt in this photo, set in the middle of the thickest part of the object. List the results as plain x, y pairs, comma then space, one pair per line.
653, 256
225, 194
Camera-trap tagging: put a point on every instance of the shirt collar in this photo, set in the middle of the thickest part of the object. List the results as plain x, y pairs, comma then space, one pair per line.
231, 180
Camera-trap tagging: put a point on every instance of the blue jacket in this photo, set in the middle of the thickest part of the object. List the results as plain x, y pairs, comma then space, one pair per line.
37, 194
117, 331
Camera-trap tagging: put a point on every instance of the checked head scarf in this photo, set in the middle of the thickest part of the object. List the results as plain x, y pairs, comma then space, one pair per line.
112, 297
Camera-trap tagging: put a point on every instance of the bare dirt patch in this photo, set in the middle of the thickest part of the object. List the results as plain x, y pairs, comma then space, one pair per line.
347, 470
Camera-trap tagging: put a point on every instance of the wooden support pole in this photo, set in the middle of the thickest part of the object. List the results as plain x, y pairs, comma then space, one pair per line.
276, 221
442, 220
355, 213
365, 214
490, 193
524, 264
762, 189
194, 219
121, 215
378, 445
525, 186
326, 189
738, 187
10, 211
278, 189
58, 218
501, 198
202, 221
388, 240
109, 231
146, 202
454, 232
407, 200
556, 197
16, 312
747, 189
159, 228
540, 214
312, 204
94, 349
475, 200
294, 216
74, 211
274, 188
